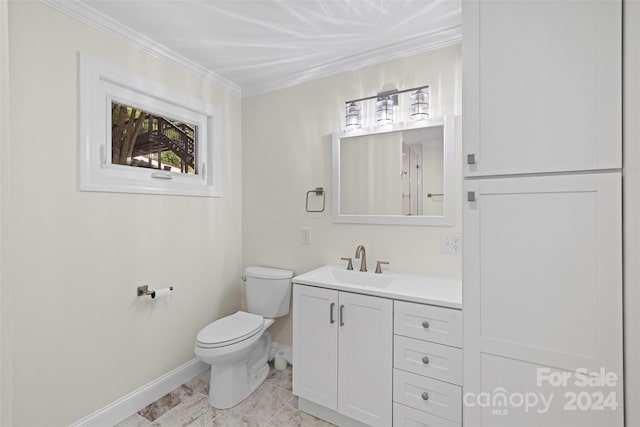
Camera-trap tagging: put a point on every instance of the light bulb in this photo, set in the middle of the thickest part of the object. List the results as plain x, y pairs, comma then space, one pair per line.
353, 118
419, 105
384, 111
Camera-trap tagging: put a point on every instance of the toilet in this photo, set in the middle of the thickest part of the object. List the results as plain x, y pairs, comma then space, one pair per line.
238, 346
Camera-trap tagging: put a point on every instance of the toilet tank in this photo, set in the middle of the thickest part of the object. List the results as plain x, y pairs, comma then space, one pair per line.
268, 291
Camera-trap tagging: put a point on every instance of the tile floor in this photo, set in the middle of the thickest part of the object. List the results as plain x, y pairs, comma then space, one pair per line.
272, 405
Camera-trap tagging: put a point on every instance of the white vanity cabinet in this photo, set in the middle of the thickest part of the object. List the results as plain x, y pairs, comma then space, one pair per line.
542, 86
342, 352
365, 357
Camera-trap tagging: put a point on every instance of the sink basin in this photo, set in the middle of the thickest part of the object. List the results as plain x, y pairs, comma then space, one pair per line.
339, 276
355, 277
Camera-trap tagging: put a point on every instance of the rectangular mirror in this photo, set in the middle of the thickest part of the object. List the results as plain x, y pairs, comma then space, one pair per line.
398, 175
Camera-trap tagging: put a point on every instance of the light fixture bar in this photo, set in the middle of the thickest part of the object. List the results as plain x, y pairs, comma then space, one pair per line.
386, 94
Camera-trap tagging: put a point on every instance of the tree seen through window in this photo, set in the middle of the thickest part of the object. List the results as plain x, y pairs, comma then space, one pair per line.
143, 139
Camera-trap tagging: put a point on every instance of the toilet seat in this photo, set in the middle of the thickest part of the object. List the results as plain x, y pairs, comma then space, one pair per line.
230, 330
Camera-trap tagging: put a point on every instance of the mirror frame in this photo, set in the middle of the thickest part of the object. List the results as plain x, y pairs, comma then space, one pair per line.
448, 123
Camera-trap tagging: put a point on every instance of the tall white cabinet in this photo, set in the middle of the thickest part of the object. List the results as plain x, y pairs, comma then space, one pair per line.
542, 282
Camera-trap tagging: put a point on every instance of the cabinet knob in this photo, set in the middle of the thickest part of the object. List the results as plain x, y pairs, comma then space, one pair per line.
425, 324
471, 159
425, 396
425, 360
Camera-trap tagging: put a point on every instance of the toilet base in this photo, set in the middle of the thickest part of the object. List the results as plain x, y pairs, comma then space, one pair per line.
232, 382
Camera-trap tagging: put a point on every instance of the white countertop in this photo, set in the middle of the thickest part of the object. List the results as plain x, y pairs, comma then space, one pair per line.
434, 290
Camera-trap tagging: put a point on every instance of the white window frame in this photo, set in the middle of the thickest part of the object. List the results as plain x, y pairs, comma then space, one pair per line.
100, 84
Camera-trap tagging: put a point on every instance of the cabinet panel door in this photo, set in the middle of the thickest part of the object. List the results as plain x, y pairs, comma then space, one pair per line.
404, 416
315, 345
542, 86
428, 359
542, 290
426, 394
428, 322
365, 358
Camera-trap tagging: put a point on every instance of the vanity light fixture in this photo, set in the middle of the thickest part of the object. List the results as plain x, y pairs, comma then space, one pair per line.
419, 105
384, 111
385, 103
353, 116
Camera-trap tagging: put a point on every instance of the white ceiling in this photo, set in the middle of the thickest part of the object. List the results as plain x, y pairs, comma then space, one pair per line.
263, 45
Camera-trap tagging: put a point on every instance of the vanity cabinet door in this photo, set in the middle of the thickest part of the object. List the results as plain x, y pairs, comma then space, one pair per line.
543, 293
315, 345
365, 365
542, 86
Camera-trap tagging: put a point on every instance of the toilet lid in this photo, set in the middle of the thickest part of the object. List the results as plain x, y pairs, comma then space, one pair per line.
230, 329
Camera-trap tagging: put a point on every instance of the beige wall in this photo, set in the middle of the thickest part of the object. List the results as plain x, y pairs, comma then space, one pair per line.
286, 137
81, 338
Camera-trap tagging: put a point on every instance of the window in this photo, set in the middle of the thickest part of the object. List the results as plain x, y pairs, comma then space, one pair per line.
138, 136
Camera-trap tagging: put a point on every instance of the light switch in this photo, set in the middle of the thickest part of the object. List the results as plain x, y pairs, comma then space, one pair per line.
306, 236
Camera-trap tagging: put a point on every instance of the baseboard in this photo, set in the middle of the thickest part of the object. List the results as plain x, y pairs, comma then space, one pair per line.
327, 414
128, 405
288, 351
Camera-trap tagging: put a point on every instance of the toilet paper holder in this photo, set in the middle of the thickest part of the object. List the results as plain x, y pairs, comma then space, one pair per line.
144, 290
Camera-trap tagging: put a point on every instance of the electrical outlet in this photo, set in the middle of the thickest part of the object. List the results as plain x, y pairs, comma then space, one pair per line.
451, 243
306, 236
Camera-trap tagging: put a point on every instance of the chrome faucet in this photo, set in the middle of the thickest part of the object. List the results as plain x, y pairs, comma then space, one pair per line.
363, 263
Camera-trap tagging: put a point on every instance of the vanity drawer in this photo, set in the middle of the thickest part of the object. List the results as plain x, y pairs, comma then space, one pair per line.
403, 416
426, 358
428, 395
428, 322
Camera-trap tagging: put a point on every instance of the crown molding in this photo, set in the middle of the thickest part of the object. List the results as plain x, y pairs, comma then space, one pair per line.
106, 24
405, 48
